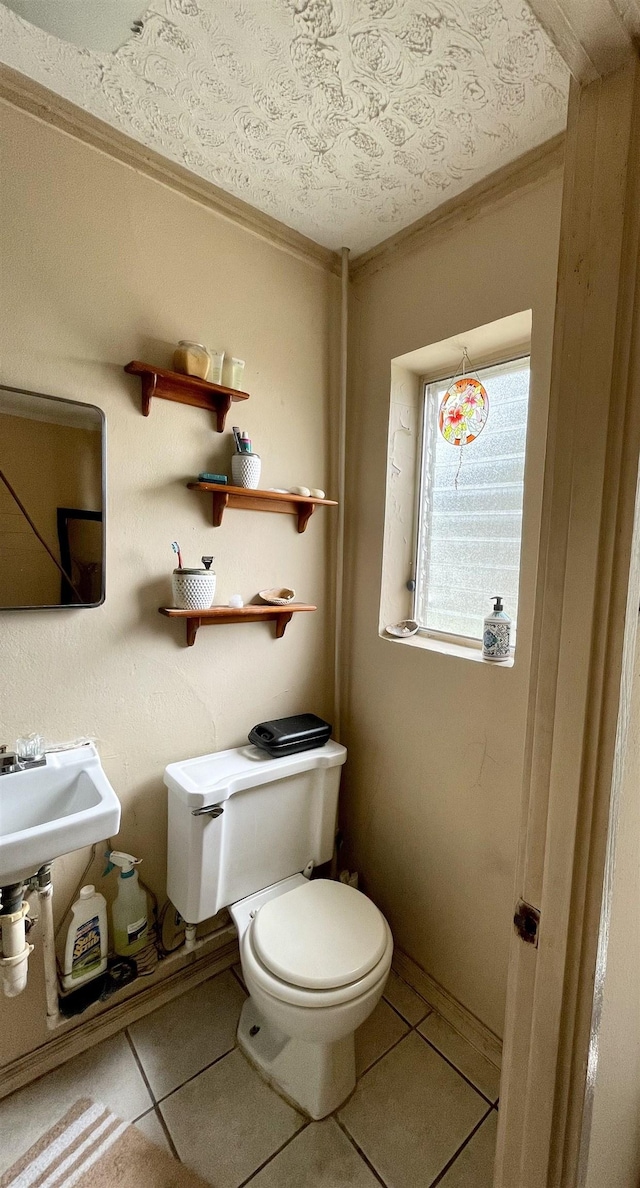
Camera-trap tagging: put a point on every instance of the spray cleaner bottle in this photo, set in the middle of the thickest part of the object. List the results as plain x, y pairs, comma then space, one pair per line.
129, 912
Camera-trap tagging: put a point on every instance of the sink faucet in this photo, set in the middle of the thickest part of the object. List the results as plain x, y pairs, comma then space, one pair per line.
11, 761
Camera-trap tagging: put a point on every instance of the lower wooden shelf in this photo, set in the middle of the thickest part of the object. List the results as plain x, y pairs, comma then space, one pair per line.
280, 615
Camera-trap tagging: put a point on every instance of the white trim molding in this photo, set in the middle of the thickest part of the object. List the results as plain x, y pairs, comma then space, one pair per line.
595, 37
442, 1001
527, 171
45, 105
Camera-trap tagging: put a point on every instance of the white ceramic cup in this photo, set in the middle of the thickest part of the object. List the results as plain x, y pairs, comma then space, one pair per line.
245, 470
193, 589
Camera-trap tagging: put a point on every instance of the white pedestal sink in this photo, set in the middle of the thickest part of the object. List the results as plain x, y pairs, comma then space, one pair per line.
51, 810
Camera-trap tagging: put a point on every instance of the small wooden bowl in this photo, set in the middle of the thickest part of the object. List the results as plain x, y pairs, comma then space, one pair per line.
277, 597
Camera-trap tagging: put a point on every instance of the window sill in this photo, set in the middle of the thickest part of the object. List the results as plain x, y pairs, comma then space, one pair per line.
448, 648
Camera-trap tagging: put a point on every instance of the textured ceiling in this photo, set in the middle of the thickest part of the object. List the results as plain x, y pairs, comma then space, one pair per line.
345, 119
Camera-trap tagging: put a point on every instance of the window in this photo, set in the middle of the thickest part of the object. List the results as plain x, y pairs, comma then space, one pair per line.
470, 508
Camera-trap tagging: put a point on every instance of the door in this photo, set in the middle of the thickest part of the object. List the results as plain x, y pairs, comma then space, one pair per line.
586, 612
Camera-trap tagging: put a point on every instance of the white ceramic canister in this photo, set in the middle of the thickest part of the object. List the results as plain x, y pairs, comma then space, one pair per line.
497, 633
193, 589
245, 470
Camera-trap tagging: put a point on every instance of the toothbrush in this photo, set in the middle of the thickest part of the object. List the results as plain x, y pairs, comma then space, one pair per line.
176, 548
237, 435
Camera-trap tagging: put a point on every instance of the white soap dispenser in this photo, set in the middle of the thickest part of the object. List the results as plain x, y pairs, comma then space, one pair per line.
497, 633
129, 912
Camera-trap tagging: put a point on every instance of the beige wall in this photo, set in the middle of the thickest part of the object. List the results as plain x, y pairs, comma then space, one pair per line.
614, 1147
101, 265
432, 789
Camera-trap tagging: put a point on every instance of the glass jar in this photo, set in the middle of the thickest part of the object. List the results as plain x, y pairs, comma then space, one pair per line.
191, 358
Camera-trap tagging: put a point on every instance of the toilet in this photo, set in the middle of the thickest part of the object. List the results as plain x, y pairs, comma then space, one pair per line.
245, 832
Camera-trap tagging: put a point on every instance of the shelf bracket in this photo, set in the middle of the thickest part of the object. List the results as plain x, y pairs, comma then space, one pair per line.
148, 385
305, 512
192, 630
220, 500
222, 408
282, 618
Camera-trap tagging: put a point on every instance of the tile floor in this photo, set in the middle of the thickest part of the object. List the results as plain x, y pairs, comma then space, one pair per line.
423, 1112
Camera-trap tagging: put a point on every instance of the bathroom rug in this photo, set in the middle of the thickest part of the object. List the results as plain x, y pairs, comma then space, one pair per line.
91, 1148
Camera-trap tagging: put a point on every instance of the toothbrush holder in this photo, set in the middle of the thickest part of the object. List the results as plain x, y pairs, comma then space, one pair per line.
193, 589
245, 470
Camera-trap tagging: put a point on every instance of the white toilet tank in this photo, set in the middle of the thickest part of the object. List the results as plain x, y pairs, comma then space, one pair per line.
270, 818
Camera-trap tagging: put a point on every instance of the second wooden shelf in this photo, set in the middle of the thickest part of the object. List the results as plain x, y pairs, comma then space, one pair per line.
302, 506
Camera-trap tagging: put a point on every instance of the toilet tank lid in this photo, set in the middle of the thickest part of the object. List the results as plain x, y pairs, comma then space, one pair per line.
223, 773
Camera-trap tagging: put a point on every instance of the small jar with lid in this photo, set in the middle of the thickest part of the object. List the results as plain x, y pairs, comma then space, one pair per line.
191, 358
194, 589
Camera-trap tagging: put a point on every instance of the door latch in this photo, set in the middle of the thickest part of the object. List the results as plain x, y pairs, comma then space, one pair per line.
527, 922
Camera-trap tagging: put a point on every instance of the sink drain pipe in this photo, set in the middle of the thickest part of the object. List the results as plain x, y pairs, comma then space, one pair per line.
15, 948
45, 898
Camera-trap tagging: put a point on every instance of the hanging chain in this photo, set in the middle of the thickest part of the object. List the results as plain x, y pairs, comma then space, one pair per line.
462, 373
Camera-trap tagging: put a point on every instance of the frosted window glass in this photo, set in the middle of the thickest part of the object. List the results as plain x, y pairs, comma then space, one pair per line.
470, 530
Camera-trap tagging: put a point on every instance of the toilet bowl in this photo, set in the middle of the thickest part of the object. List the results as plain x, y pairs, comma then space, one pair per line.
315, 958
315, 953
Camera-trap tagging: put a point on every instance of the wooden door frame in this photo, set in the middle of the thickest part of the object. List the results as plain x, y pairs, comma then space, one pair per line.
577, 703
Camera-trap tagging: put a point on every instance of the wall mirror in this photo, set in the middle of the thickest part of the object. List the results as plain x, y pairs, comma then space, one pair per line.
52, 501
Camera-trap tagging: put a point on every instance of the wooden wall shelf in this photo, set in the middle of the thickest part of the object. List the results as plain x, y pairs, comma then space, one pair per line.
280, 615
302, 506
184, 389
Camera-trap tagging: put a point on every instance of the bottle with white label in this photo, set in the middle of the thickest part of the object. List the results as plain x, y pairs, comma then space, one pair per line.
496, 637
129, 912
85, 954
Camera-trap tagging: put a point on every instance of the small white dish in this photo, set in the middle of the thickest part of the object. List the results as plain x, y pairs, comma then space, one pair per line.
280, 596
403, 629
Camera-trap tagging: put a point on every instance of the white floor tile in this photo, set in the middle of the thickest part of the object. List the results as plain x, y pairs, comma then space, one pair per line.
411, 1006
150, 1126
377, 1034
108, 1074
480, 1071
474, 1166
227, 1121
320, 1157
183, 1037
410, 1113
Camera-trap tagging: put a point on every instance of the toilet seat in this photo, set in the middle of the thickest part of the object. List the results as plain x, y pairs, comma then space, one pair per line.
379, 948
320, 936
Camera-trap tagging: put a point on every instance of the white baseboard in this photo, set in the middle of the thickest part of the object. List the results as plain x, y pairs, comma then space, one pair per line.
78, 1037
446, 1005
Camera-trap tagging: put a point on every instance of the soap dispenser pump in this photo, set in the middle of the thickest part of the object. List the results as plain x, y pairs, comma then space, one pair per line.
497, 632
129, 912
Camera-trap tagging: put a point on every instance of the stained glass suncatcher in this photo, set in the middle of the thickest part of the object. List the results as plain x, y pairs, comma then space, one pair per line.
463, 411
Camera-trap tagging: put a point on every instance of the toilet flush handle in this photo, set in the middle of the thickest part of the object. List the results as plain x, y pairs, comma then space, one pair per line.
209, 810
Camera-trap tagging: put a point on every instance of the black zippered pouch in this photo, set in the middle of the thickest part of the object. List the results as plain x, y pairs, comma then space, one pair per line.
286, 736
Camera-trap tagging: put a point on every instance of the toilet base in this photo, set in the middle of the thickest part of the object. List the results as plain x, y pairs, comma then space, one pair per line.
317, 1078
